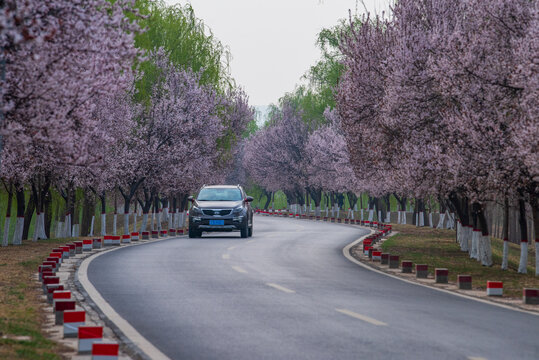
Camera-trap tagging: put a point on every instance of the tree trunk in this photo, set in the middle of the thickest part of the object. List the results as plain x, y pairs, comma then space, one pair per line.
19, 226
28, 215
47, 208
88, 210
103, 199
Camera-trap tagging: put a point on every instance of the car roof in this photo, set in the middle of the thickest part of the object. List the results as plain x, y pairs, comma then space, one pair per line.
222, 186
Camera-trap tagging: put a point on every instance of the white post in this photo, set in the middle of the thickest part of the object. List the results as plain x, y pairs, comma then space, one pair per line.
7, 224
522, 266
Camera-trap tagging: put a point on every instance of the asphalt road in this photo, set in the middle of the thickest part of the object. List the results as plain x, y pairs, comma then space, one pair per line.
289, 293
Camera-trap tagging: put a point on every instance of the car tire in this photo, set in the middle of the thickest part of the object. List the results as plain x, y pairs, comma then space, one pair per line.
244, 231
250, 231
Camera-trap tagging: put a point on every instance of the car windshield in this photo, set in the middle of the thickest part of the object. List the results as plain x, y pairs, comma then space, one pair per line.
219, 194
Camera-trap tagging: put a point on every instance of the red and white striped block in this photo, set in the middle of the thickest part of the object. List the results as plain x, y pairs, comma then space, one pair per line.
171, 232
50, 261
78, 247
50, 288
145, 235
65, 251
163, 233
97, 243
107, 240
376, 256
494, 288
57, 255
87, 336
116, 240
60, 306
126, 239
44, 268
105, 350
62, 294
59, 251
73, 319
179, 232
87, 245
72, 249
135, 236
155, 234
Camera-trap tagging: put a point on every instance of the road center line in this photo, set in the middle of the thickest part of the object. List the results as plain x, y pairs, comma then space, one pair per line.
225, 256
476, 358
239, 269
281, 288
250, 241
361, 317
231, 248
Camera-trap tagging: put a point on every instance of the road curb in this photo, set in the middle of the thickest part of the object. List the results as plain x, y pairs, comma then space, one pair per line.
347, 253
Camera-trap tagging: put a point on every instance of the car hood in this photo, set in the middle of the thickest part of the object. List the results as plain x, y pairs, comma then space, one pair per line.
217, 204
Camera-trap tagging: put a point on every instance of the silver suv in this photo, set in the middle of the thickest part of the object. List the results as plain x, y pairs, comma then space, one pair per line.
221, 208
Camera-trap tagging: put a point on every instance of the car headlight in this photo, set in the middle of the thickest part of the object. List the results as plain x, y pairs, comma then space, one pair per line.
195, 211
237, 210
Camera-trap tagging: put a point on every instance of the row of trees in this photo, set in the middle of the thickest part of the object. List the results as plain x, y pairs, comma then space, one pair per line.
112, 96
437, 101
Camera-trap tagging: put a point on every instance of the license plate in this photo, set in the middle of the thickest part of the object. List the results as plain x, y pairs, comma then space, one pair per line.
217, 222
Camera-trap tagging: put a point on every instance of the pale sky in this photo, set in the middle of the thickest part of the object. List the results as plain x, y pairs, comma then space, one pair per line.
272, 42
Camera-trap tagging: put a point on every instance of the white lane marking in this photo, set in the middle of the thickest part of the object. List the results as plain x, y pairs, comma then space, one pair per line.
231, 248
476, 358
346, 253
250, 241
281, 288
225, 256
239, 269
129, 331
361, 317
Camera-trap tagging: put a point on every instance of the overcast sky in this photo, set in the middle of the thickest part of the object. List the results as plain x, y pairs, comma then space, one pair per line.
273, 41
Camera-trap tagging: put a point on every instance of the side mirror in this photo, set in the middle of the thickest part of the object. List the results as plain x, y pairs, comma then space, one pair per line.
191, 199
249, 198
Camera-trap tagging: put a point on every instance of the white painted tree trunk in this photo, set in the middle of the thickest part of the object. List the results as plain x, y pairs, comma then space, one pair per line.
19, 226
103, 224
404, 217
361, 213
35, 236
431, 224
152, 221
165, 213
92, 226
379, 215
421, 218
522, 266
388, 217
474, 253
441, 221
398, 216
327, 211
158, 220
75, 230
7, 225
126, 223
59, 229
371, 214
114, 222
43, 234
485, 250
67, 226
184, 219
338, 210
505, 256
317, 211
144, 223
450, 220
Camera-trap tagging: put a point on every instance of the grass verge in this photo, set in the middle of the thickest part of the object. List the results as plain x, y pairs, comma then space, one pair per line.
438, 249
21, 315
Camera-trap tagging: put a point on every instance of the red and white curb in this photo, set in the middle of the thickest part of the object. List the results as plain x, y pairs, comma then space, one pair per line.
348, 255
127, 329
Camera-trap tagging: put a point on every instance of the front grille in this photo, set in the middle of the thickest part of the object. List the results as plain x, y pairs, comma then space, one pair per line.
216, 212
